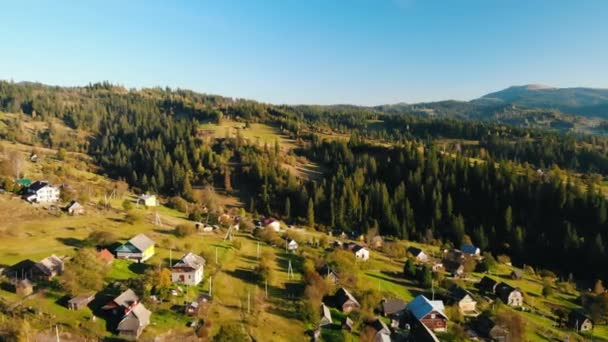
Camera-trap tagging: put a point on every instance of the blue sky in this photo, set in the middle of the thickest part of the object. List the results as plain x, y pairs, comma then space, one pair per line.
309, 51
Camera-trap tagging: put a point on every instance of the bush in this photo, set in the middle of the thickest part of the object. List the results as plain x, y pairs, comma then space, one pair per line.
237, 244
127, 205
178, 203
183, 230
133, 217
101, 238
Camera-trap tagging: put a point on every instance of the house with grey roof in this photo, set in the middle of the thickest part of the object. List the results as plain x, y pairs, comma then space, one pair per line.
134, 322
50, 266
346, 301
189, 270
325, 316
124, 303
140, 248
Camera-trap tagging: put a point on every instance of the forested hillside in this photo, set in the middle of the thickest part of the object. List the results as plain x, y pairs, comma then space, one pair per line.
411, 176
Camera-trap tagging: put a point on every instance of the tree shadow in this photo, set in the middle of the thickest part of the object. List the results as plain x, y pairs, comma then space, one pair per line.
72, 242
243, 274
138, 268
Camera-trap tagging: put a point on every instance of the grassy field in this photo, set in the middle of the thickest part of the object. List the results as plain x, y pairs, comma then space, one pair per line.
256, 133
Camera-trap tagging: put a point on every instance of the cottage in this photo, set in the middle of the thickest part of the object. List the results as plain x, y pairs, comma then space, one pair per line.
346, 301
81, 301
509, 295
383, 333
24, 269
74, 209
328, 273
487, 285
464, 299
189, 270
124, 303
42, 192
134, 322
271, 223
516, 274
487, 328
148, 200
430, 313
106, 256
140, 248
325, 315
470, 250
292, 245
393, 307
456, 269
418, 254
347, 324
361, 253
50, 267
579, 321
24, 287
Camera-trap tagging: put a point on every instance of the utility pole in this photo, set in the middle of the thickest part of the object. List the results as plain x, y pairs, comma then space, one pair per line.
57, 332
216, 256
266, 288
170, 257
248, 301
433, 289
258, 250
210, 286
290, 271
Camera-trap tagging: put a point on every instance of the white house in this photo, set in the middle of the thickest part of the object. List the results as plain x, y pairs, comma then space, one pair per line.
189, 270
361, 253
148, 200
418, 254
292, 245
271, 223
42, 192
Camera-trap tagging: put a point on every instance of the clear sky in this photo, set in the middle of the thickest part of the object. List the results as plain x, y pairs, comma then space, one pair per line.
309, 51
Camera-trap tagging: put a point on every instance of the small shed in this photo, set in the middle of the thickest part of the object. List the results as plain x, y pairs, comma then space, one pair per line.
80, 301
24, 287
75, 208
347, 324
516, 274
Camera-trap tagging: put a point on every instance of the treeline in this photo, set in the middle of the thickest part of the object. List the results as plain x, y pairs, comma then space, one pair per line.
421, 194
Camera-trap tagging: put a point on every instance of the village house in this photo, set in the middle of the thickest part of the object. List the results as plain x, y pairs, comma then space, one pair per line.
74, 209
430, 313
329, 274
24, 269
383, 333
148, 200
81, 301
134, 322
292, 245
106, 256
467, 306
393, 307
456, 269
417, 253
325, 315
271, 223
345, 301
509, 295
140, 248
50, 267
189, 270
579, 321
42, 192
123, 304
487, 285
361, 252
516, 274
487, 328
470, 250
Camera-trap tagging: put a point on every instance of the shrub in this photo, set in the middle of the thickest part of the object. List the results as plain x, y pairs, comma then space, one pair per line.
100, 238
178, 203
127, 205
183, 230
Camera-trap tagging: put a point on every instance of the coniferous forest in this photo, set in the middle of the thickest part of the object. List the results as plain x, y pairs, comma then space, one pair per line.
529, 193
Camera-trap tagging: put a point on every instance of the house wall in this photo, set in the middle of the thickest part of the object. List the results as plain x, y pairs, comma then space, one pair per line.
467, 305
586, 326
362, 254
190, 278
349, 306
47, 194
515, 299
148, 253
434, 321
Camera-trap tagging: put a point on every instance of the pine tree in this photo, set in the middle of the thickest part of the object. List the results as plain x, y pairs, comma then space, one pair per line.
287, 208
311, 213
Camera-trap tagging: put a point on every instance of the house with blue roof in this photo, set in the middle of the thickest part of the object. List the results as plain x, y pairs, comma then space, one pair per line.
470, 250
431, 313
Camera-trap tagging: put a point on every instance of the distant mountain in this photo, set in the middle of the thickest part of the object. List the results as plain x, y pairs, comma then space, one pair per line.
588, 102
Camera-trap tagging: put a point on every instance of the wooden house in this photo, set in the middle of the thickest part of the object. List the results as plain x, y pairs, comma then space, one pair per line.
148, 200
81, 301
325, 316
509, 295
106, 256
487, 285
50, 267
393, 307
467, 305
140, 248
488, 329
134, 322
430, 313
329, 274
74, 209
345, 301
417, 253
579, 321
124, 303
